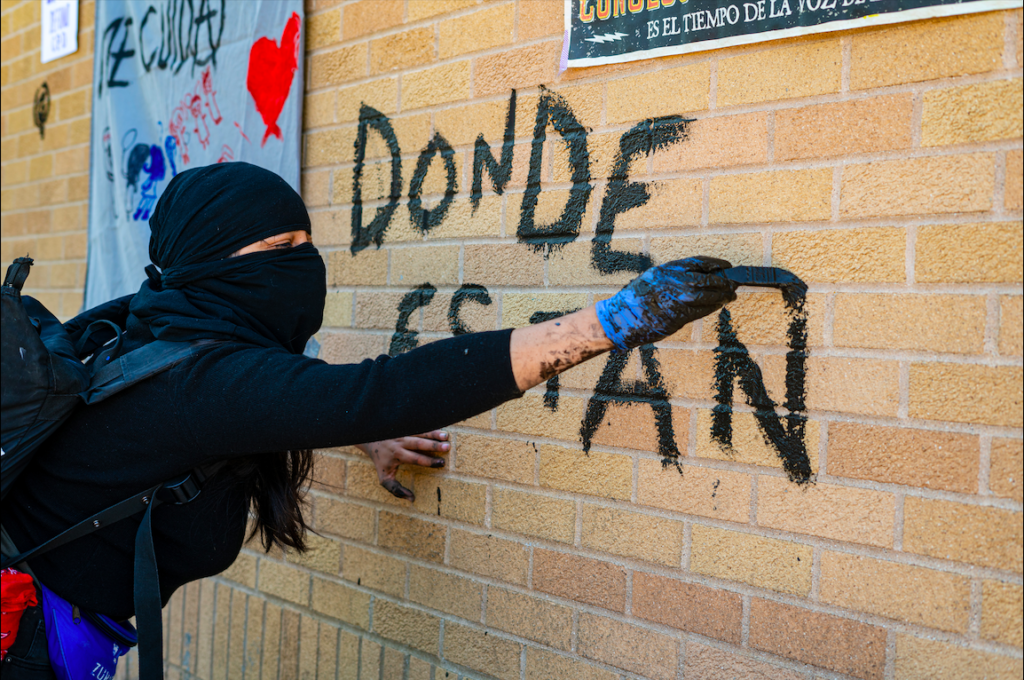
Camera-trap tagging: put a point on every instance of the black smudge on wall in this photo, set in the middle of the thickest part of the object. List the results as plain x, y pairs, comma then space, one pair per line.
733, 363
404, 339
650, 391
621, 195
554, 110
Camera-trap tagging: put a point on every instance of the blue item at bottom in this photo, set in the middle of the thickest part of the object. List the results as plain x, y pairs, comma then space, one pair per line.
79, 648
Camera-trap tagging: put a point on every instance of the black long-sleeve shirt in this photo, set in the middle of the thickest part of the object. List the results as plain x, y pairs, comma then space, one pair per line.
233, 400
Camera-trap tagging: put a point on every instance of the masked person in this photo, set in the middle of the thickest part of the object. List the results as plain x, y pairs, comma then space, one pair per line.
236, 265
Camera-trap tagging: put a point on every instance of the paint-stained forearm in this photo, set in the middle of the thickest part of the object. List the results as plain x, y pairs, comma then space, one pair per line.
546, 349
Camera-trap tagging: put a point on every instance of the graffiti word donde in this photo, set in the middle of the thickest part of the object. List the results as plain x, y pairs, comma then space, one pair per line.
553, 112
170, 35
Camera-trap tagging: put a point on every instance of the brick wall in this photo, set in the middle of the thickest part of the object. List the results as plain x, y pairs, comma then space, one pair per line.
882, 166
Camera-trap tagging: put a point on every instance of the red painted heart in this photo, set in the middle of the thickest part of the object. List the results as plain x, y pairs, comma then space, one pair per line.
271, 70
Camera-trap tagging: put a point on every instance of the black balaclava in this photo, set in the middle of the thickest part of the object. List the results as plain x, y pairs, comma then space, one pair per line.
272, 298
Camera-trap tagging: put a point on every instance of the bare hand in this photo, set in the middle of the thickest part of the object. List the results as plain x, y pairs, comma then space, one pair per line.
388, 454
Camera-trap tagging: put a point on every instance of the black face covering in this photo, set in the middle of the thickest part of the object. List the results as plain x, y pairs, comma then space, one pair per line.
272, 298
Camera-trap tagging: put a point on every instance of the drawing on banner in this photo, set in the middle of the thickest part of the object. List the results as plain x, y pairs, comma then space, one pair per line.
271, 71
613, 31
182, 84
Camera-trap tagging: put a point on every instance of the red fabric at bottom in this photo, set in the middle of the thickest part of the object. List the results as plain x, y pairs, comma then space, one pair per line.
17, 593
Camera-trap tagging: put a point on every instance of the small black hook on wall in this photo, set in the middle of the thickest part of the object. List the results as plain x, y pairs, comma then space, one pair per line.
41, 108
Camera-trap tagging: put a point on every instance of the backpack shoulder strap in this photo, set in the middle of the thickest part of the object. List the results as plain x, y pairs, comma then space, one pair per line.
138, 365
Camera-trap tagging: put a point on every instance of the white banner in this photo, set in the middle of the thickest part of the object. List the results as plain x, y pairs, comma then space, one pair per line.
179, 84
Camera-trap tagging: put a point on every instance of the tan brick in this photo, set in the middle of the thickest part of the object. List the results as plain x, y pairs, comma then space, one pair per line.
975, 253
380, 311
937, 323
419, 669
490, 556
840, 513
496, 458
1006, 466
919, 186
539, 18
688, 606
477, 31
717, 142
412, 266
374, 570
529, 416
571, 265
618, 644
922, 458
402, 50
437, 85
596, 473
347, 520
393, 664
688, 374
966, 393
674, 203
370, 16
461, 125
517, 308
446, 592
841, 384
920, 659
543, 665
769, 563
632, 535
1011, 335
450, 498
859, 126
338, 310
367, 268
534, 515
341, 602
973, 113
322, 554
634, 426
763, 319
802, 70
847, 255
529, 617
660, 93
748, 441
413, 537
380, 94
408, 626
580, 579
990, 537
521, 68
694, 490
242, 570
422, 9
897, 591
503, 265
738, 249
779, 196
710, 663
372, 656
924, 50
323, 29
329, 146
284, 582
338, 66
1001, 612
477, 649
1013, 197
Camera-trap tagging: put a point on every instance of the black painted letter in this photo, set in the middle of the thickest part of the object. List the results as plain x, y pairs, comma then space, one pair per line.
500, 172
404, 339
465, 293
374, 231
424, 219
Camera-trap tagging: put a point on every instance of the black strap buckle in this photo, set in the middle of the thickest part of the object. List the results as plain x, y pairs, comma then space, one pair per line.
181, 491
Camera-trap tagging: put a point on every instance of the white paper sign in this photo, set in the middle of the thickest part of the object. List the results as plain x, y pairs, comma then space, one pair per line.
179, 84
60, 29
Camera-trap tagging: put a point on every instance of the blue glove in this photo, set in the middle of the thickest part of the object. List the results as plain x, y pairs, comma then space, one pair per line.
663, 299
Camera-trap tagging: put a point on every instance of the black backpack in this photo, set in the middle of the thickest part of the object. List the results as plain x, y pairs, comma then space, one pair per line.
44, 380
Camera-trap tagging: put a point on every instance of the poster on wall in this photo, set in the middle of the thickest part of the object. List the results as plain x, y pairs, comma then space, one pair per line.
613, 31
58, 28
179, 84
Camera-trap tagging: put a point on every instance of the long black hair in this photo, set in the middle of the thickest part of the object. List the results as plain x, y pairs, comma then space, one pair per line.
275, 486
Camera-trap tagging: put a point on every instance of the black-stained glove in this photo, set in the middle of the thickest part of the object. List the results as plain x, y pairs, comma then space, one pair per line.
663, 299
